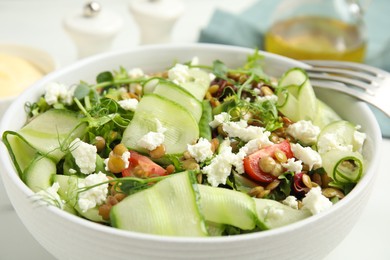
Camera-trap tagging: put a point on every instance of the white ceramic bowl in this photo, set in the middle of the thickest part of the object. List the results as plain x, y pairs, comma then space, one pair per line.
70, 237
41, 59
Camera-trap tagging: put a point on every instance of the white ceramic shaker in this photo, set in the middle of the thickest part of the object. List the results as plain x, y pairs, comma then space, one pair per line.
156, 18
92, 29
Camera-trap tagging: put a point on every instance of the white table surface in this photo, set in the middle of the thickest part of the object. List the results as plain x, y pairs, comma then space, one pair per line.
38, 23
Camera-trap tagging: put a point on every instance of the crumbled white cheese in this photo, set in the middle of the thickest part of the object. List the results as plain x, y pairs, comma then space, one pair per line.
315, 202
152, 140
125, 158
179, 73
136, 73
291, 201
330, 141
50, 196
129, 104
257, 143
307, 155
56, 93
200, 151
95, 196
237, 161
84, 155
293, 165
241, 130
304, 131
271, 98
220, 167
219, 119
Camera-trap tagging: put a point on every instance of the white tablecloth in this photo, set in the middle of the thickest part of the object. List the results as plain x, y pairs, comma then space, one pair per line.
39, 23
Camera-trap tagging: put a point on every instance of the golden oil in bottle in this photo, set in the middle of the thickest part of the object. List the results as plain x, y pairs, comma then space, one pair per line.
314, 37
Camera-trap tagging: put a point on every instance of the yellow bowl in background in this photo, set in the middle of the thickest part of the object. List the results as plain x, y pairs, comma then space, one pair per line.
39, 59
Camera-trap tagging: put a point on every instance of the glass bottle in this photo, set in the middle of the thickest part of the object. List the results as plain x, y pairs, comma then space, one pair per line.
318, 29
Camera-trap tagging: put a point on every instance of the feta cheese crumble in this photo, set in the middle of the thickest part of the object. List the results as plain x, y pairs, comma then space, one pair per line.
330, 141
84, 155
56, 93
221, 165
152, 140
179, 73
293, 165
291, 201
95, 196
50, 196
271, 98
200, 151
220, 119
129, 104
304, 131
315, 202
125, 158
307, 156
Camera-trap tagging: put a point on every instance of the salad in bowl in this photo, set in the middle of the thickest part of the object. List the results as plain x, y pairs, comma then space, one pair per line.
193, 148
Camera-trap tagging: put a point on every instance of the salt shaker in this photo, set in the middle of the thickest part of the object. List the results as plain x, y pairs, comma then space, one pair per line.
156, 18
92, 29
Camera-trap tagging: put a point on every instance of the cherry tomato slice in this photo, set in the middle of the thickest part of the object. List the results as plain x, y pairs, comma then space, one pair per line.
142, 166
251, 162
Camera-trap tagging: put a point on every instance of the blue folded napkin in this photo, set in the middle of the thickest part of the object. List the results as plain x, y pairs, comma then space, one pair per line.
247, 29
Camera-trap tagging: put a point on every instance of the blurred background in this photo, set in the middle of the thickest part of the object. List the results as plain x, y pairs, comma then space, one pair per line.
40, 23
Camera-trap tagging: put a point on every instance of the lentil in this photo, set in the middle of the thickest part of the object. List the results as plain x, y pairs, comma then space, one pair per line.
272, 185
158, 152
267, 164
332, 192
115, 163
307, 181
100, 143
280, 156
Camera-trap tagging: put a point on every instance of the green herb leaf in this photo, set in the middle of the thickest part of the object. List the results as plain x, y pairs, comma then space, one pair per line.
104, 77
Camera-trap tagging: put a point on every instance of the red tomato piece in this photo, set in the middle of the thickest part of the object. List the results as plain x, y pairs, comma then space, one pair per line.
142, 166
251, 162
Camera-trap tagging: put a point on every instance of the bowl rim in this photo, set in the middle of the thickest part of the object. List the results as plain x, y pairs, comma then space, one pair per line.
11, 173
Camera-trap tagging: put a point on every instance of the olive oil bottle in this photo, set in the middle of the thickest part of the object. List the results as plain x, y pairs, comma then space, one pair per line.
315, 35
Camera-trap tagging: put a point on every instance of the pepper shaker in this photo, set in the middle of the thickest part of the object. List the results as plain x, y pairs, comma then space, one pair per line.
92, 29
156, 18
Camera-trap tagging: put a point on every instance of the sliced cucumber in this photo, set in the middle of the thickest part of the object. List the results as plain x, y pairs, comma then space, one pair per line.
224, 206
150, 85
170, 207
288, 105
182, 128
325, 115
273, 214
68, 192
199, 84
340, 158
51, 130
38, 175
296, 97
181, 96
22, 154
340, 133
343, 166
